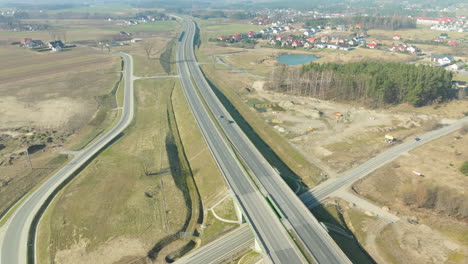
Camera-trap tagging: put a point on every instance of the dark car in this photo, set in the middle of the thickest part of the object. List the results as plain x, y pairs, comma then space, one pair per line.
221, 116
417, 139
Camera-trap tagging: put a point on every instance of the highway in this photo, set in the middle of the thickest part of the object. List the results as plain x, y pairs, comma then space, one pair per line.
222, 249
296, 216
323, 191
270, 233
13, 244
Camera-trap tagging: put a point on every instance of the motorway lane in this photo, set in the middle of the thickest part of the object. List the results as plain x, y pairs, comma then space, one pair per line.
270, 233
221, 249
13, 246
321, 192
320, 245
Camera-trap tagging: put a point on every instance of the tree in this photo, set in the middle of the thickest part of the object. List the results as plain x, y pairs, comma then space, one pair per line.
148, 46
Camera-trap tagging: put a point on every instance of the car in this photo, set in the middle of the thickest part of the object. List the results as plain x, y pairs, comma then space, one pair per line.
221, 116
417, 139
230, 122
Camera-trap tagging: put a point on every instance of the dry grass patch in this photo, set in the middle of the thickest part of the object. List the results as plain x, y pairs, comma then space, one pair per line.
122, 194
50, 100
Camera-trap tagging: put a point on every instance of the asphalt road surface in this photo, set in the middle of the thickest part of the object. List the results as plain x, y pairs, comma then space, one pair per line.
296, 216
13, 244
222, 249
277, 244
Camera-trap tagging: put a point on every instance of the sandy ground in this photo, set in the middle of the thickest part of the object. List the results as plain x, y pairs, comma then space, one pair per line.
312, 126
110, 252
437, 238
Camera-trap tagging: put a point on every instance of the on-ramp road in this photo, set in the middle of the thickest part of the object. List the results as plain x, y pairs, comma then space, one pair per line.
13, 244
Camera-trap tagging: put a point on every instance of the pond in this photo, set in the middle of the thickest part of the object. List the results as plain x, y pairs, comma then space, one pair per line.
296, 59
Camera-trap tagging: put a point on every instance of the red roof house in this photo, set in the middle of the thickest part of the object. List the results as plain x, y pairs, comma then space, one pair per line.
23, 41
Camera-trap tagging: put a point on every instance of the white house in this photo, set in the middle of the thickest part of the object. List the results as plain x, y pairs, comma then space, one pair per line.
457, 66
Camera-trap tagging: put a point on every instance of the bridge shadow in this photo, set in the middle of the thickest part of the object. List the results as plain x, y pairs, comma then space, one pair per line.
329, 215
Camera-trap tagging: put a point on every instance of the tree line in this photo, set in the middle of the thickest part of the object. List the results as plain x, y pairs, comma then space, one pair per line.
369, 22
379, 22
372, 83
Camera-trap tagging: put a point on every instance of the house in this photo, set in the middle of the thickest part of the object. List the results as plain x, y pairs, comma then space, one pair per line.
310, 32
452, 43
457, 66
442, 60
344, 46
341, 27
332, 46
135, 40
56, 45
23, 41
222, 38
358, 26
371, 45
396, 37
307, 45
311, 40
321, 45
412, 49
251, 34
34, 44
296, 44
443, 35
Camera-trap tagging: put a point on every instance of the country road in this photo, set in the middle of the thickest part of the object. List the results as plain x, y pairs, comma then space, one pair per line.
14, 233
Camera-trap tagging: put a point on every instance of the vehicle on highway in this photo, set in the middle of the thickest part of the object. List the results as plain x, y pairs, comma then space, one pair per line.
221, 116
417, 139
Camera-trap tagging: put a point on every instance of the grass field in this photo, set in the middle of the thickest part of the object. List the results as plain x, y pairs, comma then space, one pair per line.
207, 176
215, 27
158, 26
135, 221
132, 206
99, 8
48, 99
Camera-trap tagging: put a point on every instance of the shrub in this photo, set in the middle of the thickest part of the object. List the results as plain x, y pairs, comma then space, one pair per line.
464, 168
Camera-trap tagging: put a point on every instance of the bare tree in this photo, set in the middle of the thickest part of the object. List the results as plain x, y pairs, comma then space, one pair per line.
148, 46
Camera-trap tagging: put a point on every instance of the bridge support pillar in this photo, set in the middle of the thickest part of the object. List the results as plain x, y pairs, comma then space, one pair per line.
257, 246
240, 217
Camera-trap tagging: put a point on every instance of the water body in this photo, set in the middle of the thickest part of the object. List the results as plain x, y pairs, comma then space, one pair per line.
296, 59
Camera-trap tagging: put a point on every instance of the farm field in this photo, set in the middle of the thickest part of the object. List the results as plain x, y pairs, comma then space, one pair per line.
48, 104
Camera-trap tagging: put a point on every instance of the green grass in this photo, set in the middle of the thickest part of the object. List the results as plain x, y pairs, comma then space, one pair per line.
147, 67
226, 209
209, 180
214, 228
251, 257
